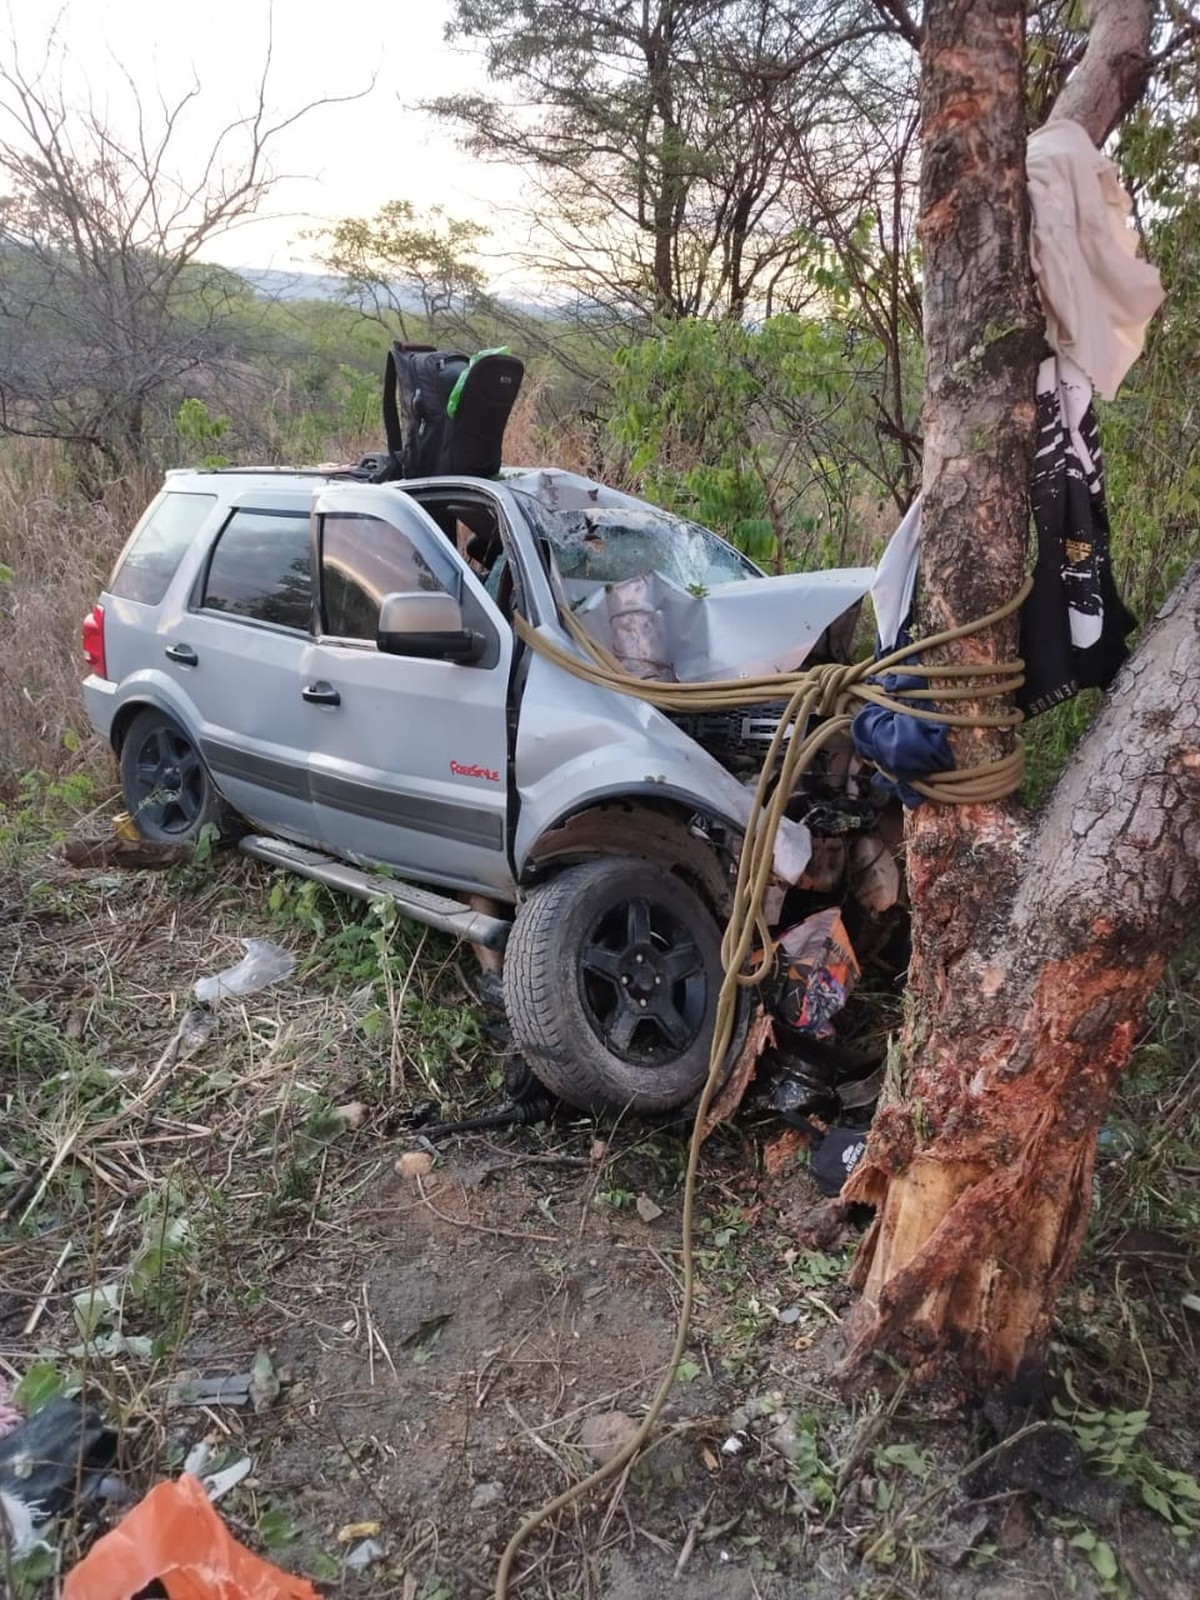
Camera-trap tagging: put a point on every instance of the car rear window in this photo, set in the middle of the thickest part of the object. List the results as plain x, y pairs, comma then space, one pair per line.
260, 569
149, 561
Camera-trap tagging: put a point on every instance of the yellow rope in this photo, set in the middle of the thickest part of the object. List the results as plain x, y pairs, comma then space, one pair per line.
830, 693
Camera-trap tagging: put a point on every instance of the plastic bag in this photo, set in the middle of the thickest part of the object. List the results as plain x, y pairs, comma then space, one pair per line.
263, 964
56, 1455
174, 1535
820, 971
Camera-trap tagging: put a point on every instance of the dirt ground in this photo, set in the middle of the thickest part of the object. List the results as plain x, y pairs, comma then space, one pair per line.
440, 1343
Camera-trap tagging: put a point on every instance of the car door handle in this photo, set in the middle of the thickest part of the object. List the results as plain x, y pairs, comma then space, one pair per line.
183, 653
320, 694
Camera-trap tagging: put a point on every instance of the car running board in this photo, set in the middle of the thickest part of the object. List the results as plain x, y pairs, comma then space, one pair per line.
436, 910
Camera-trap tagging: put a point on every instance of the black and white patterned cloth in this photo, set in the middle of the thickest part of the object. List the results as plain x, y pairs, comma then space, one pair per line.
1074, 623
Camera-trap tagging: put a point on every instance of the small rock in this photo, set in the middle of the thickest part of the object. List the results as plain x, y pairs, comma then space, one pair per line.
351, 1115
363, 1554
647, 1210
784, 1438
486, 1494
605, 1436
414, 1164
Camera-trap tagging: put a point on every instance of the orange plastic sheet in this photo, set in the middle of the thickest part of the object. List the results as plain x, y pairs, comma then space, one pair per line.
174, 1535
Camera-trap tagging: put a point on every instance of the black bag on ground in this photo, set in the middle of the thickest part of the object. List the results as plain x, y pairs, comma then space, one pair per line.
445, 412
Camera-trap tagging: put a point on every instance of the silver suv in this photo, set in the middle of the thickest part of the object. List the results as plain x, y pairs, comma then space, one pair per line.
328, 669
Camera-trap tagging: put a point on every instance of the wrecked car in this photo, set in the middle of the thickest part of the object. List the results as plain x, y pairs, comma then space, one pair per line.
328, 671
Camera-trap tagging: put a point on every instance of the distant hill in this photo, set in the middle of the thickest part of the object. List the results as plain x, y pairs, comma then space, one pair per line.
274, 284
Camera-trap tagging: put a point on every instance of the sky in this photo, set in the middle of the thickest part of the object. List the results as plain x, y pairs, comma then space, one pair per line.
339, 160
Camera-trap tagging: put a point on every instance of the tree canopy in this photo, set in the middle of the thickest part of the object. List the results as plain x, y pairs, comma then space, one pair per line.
665, 144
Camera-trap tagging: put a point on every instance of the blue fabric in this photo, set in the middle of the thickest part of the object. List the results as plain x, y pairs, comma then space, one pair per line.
907, 748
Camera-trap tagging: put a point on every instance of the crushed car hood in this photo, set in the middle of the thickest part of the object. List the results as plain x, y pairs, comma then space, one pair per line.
746, 629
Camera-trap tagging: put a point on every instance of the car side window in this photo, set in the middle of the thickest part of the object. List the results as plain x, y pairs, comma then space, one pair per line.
362, 560
149, 561
260, 569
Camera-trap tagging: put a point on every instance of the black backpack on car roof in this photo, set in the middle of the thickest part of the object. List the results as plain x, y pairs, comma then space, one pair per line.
445, 412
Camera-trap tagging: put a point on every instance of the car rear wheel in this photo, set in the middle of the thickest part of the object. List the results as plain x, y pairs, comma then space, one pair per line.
611, 977
168, 790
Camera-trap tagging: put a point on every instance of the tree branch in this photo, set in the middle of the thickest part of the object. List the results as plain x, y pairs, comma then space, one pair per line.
1109, 81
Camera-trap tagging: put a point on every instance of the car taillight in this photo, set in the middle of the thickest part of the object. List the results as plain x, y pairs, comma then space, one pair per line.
93, 641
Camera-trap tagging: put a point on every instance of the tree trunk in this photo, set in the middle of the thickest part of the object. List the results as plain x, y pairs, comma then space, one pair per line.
982, 1173
1034, 952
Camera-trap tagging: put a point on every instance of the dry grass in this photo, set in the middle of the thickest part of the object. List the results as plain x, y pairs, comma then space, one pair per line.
58, 548
165, 1168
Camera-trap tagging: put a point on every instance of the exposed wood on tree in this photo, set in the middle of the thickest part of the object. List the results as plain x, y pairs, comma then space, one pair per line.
1035, 952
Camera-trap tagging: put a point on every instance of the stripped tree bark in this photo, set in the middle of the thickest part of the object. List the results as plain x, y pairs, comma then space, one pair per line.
1037, 942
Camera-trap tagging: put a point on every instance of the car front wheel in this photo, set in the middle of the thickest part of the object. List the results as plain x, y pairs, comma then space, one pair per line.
611, 978
168, 790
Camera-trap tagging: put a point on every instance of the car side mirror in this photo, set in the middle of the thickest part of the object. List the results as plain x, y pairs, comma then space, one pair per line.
429, 626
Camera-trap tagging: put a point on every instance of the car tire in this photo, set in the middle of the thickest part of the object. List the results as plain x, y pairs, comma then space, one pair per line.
168, 790
611, 978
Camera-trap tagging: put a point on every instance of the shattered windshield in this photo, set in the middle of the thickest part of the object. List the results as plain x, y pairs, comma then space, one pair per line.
610, 543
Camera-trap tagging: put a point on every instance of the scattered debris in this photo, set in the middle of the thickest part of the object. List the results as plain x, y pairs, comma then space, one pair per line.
17, 1533
529, 1101
263, 964
486, 1494
218, 1484
258, 1388
56, 1456
175, 1536
196, 1461
821, 970
232, 1390
357, 1530
363, 1554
